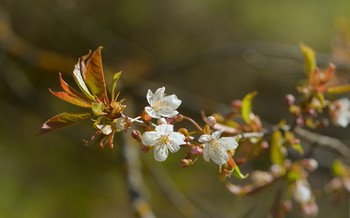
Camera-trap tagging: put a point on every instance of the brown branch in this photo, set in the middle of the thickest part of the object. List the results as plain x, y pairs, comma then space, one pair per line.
323, 141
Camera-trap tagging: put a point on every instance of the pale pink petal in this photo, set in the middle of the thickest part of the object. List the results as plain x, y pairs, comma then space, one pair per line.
152, 113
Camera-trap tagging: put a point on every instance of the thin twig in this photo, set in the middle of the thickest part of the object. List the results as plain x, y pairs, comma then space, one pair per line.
323, 141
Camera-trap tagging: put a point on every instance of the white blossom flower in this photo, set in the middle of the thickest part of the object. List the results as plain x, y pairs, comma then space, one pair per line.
216, 147
163, 139
342, 115
161, 105
302, 193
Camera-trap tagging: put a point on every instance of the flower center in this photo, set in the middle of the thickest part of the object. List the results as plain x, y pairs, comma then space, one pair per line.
158, 105
164, 139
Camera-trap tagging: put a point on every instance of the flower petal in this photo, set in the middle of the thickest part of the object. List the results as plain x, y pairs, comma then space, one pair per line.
152, 113
167, 112
219, 156
149, 97
165, 129
204, 138
160, 153
216, 134
172, 102
228, 143
158, 95
206, 151
150, 138
173, 147
177, 138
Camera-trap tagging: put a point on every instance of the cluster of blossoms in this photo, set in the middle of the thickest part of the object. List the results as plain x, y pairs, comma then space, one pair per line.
163, 138
218, 137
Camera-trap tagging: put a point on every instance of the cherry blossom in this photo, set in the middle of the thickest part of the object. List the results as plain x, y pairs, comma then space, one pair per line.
161, 105
216, 147
163, 139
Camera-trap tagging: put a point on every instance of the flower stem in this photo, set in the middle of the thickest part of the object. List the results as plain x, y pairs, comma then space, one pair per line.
193, 122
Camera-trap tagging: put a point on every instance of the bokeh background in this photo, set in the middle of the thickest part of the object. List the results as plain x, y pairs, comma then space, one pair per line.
202, 50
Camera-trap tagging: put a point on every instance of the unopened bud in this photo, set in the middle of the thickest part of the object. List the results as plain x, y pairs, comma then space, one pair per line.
236, 105
301, 193
196, 150
183, 131
290, 99
310, 164
311, 112
211, 121
185, 162
264, 145
310, 210
145, 148
287, 205
300, 121
135, 134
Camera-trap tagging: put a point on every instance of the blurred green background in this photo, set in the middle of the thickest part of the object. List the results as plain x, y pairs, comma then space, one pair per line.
215, 49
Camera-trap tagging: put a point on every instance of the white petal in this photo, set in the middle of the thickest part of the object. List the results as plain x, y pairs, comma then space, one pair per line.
150, 138
160, 152
228, 143
172, 102
204, 138
177, 138
173, 147
105, 129
158, 95
151, 112
219, 156
342, 120
216, 134
206, 151
165, 129
167, 112
149, 97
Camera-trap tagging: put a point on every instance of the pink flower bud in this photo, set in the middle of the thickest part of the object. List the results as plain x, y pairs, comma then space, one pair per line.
211, 121
196, 150
310, 164
236, 105
136, 135
290, 99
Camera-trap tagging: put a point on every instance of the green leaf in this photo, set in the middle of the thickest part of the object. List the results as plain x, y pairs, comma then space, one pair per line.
62, 120
114, 85
338, 168
94, 76
80, 81
298, 148
309, 58
237, 173
71, 99
246, 109
276, 155
339, 89
97, 108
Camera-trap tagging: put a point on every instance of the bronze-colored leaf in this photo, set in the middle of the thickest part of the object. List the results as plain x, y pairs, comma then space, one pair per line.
67, 88
62, 120
71, 99
93, 75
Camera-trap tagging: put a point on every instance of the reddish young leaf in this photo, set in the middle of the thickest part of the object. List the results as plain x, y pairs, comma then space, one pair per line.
72, 91
93, 75
71, 99
62, 120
